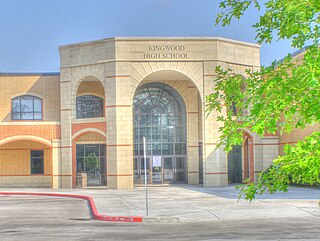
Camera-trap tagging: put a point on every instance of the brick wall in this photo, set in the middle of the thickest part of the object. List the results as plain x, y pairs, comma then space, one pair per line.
97, 125
47, 132
48, 87
91, 137
295, 136
15, 158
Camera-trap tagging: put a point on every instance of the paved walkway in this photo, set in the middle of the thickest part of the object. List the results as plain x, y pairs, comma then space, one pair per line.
185, 203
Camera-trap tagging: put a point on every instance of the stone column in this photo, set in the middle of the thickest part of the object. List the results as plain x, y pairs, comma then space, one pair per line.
193, 135
55, 163
215, 172
119, 128
65, 166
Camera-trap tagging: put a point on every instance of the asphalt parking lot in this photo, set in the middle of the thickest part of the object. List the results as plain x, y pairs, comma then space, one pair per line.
176, 213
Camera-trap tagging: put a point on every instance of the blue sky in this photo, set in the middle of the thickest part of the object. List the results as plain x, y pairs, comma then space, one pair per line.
32, 30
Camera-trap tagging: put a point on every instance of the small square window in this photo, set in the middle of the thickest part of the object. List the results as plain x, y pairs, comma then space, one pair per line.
37, 162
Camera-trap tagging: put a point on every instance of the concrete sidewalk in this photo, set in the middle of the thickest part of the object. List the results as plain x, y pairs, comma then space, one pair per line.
185, 203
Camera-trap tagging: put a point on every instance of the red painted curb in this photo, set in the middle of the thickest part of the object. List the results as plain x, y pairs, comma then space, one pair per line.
93, 208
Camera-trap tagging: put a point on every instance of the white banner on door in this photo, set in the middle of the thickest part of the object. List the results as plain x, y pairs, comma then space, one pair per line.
156, 161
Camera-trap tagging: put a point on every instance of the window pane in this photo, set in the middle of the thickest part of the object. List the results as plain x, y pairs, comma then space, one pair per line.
89, 106
80, 165
27, 104
180, 162
156, 149
180, 134
180, 177
91, 150
135, 135
37, 154
156, 119
145, 132
26, 116
167, 149
147, 162
170, 120
136, 150
156, 134
148, 149
171, 134
180, 149
16, 105
16, 116
80, 150
37, 162
164, 119
102, 150
37, 116
142, 119
37, 105
102, 165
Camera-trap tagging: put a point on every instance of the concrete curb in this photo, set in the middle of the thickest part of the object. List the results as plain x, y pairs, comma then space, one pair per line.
93, 209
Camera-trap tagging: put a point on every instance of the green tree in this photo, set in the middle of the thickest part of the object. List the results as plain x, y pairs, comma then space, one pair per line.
281, 97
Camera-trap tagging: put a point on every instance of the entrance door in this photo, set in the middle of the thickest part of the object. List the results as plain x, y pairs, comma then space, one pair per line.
168, 169
92, 161
235, 165
180, 169
157, 170
139, 170
165, 169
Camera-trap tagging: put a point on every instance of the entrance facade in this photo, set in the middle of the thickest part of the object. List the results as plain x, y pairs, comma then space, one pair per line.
109, 93
159, 115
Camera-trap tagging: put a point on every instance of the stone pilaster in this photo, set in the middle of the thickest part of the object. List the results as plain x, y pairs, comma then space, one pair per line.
193, 135
215, 172
65, 166
119, 129
55, 163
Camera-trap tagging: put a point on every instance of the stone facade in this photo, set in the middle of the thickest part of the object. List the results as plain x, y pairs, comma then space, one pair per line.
113, 69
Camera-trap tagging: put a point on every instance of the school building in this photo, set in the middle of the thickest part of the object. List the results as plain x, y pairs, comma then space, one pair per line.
88, 120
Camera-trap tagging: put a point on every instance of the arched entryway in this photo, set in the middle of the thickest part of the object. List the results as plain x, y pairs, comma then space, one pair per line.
89, 157
159, 115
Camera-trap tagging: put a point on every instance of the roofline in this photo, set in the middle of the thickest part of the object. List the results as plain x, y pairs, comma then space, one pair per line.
158, 38
296, 53
29, 74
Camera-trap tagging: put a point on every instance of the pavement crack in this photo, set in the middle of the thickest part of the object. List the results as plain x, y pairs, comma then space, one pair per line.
190, 205
129, 204
314, 215
209, 211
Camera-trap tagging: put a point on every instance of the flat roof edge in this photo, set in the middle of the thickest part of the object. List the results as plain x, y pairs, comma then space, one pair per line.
159, 38
29, 74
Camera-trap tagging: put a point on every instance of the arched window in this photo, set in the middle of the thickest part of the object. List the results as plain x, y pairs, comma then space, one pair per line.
27, 107
160, 117
89, 106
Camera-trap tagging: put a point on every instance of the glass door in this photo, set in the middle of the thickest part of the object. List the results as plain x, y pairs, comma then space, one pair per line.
168, 170
180, 169
139, 170
157, 169
91, 159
